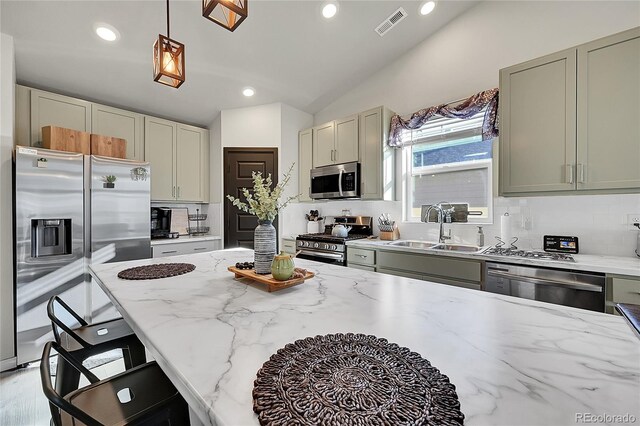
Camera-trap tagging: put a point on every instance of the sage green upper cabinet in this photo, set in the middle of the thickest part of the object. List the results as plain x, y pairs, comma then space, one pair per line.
346, 140
191, 171
323, 144
50, 109
109, 121
537, 124
569, 121
609, 112
179, 156
160, 152
376, 157
305, 163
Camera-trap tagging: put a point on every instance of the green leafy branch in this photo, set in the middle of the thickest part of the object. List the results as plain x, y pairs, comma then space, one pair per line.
264, 202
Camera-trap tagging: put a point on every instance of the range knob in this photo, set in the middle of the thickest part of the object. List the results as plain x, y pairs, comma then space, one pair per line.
334, 247
316, 245
326, 246
307, 243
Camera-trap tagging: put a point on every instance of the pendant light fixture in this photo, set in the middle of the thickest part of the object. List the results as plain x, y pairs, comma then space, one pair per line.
168, 59
226, 13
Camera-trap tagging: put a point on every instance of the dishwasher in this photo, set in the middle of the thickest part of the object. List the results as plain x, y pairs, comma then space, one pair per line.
578, 289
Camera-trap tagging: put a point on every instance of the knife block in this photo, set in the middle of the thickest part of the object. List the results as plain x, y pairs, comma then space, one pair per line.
391, 235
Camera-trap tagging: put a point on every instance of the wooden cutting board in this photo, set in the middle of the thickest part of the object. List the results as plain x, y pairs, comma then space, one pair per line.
62, 139
272, 283
108, 146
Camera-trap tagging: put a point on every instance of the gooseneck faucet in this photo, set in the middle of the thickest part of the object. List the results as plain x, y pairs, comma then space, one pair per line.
443, 215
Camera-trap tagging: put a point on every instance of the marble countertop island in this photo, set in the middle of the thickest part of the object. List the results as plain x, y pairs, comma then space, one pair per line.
513, 361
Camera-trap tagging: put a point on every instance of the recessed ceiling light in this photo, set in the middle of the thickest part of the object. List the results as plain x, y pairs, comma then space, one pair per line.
329, 10
107, 32
427, 8
248, 91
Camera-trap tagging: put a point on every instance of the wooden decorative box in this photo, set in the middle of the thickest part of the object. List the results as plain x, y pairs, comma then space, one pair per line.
62, 139
271, 283
108, 146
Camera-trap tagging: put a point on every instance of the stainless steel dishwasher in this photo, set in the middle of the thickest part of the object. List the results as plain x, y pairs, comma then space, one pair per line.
563, 287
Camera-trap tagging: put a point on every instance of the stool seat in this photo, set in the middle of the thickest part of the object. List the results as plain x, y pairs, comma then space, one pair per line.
96, 334
146, 385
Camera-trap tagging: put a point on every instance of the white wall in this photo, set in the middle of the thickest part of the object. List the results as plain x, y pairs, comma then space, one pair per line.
7, 97
464, 58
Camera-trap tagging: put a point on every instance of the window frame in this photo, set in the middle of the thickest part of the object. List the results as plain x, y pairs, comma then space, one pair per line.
408, 174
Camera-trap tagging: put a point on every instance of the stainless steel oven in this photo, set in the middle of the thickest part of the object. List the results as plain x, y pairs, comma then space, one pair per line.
336, 181
563, 287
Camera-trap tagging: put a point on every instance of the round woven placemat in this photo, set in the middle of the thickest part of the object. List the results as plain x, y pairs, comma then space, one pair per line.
352, 379
159, 270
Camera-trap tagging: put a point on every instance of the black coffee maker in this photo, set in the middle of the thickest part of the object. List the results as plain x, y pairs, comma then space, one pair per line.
160, 222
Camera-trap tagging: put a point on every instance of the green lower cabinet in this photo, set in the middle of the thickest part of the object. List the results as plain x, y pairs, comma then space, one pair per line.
404, 274
362, 267
621, 289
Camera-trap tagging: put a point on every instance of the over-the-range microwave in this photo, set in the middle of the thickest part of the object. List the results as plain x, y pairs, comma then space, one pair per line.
336, 181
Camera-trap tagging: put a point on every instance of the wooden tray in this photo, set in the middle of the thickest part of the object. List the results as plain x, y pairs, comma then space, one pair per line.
272, 284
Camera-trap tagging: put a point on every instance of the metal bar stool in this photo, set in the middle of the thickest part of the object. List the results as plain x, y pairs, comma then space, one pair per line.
140, 396
88, 340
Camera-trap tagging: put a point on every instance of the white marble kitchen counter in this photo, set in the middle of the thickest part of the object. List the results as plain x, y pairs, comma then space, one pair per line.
513, 361
185, 239
583, 262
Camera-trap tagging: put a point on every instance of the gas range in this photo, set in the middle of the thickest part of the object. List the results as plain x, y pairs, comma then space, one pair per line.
328, 248
529, 254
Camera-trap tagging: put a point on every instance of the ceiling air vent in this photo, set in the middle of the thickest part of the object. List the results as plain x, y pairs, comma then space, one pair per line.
391, 21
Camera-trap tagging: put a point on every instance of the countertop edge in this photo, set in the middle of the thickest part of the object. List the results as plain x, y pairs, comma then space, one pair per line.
185, 239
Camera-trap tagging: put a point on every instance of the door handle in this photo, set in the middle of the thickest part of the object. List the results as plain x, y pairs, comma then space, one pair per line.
199, 248
170, 251
568, 171
173, 192
178, 192
581, 168
340, 181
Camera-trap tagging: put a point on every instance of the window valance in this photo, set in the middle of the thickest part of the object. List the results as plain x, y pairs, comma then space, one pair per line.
465, 109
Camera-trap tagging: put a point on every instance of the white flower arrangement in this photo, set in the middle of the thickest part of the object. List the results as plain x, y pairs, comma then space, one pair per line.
263, 203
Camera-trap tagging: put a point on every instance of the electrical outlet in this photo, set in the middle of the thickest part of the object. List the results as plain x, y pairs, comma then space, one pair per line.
633, 218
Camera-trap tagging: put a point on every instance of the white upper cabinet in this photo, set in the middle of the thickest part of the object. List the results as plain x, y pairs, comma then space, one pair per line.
119, 123
324, 144
609, 112
569, 121
160, 152
346, 140
377, 159
305, 163
191, 163
50, 109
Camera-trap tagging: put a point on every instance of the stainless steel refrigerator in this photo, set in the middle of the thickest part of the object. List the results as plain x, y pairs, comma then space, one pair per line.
70, 212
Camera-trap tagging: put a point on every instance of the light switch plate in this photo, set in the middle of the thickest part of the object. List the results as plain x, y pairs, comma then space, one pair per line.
633, 218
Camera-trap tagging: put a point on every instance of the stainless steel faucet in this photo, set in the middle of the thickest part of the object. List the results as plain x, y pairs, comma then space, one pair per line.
443, 215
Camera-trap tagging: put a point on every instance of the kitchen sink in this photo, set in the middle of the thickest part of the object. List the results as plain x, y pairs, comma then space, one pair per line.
457, 247
414, 244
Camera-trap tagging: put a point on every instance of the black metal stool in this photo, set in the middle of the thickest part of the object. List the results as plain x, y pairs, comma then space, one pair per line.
140, 396
88, 340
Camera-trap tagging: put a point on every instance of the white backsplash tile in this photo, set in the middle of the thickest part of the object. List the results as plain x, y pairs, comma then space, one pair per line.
599, 221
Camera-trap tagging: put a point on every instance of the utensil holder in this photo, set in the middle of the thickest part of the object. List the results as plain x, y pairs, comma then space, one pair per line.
390, 236
315, 227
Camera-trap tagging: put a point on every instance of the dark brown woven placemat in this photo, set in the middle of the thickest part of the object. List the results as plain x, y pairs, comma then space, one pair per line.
352, 379
159, 270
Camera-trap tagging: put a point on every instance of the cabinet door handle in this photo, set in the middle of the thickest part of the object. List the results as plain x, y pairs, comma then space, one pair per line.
364, 256
199, 248
173, 192
569, 173
178, 192
170, 251
581, 168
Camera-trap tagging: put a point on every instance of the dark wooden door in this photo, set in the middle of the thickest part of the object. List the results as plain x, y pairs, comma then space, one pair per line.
239, 163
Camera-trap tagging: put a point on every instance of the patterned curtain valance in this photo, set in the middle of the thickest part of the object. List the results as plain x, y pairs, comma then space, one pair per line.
466, 109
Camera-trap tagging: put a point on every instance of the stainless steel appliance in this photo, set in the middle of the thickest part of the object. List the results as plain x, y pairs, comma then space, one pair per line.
67, 216
528, 254
563, 287
327, 248
335, 181
160, 222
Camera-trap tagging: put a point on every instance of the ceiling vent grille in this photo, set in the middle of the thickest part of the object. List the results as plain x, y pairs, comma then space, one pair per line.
391, 21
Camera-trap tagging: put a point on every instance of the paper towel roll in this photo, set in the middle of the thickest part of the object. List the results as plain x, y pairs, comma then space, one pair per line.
505, 230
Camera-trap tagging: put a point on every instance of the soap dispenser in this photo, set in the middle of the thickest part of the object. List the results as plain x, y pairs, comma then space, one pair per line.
480, 237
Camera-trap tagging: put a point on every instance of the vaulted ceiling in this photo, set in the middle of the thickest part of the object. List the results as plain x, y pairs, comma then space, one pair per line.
286, 50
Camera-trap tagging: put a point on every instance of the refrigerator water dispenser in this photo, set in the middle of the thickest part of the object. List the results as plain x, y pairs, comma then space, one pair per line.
50, 237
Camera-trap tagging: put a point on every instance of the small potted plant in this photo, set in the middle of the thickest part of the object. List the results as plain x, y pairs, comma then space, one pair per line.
109, 181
